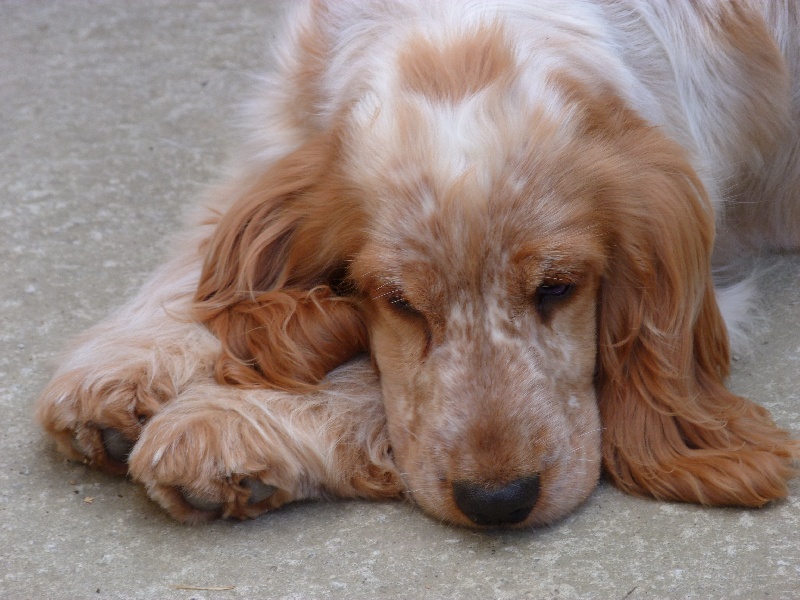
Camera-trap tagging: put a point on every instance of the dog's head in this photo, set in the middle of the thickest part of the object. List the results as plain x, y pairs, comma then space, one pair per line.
507, 249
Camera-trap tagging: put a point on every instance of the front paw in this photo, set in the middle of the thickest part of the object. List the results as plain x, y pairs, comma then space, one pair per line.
111, 384
202, 458
97, 417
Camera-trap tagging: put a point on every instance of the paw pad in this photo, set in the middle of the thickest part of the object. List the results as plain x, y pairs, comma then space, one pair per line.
116, 445
201, 503
259, 491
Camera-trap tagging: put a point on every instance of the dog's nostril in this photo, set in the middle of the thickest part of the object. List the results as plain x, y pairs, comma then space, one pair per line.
504, 505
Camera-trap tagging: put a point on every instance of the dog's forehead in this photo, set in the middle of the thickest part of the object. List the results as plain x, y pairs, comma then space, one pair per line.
419, 161
463, 184
467, 186
481, 137
467, 238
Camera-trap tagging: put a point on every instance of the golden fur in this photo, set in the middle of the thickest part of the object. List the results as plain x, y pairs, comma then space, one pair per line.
468, 260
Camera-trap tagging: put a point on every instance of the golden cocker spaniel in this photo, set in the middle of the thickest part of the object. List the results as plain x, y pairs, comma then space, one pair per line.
466, 259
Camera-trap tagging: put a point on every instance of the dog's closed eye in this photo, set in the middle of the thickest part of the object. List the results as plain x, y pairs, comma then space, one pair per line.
399, 303
549, 294
554, 290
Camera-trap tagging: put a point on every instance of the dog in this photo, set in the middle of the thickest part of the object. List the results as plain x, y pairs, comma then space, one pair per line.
466, 259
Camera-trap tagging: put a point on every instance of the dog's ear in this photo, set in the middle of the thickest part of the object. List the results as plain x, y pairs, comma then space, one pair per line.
671, 428
276, 255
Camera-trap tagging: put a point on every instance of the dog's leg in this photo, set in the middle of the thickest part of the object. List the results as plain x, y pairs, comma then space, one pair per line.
122, 372
225, 451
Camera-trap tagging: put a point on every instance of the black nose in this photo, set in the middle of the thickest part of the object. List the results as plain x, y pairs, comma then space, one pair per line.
503, 505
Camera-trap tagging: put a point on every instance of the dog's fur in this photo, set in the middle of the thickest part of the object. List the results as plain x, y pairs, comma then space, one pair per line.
511, 207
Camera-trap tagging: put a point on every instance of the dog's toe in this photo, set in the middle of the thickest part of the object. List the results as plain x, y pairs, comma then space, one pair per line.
76, 450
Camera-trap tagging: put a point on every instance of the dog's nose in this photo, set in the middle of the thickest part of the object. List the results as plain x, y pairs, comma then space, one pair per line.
503, 505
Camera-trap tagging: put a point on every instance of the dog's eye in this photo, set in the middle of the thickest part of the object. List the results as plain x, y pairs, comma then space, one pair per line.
402, 307
549, 294
401, 304
554, 290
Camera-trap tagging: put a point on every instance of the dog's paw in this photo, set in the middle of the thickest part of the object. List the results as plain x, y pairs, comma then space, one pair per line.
97, 404
201, 459
97, 416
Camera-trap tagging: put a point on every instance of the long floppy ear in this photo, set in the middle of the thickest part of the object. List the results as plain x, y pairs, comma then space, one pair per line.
671, 428
267, 287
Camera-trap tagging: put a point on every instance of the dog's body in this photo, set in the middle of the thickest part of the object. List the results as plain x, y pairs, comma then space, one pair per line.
511, 207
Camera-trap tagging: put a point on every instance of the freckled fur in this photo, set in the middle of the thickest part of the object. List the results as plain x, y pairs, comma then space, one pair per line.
414, 172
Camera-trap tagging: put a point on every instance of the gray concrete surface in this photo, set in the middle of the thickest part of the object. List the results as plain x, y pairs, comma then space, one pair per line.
112, 116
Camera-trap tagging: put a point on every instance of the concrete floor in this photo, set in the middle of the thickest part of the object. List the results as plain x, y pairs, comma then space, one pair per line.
113, 115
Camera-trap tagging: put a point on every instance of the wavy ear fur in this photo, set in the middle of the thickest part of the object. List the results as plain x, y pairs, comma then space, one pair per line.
267, 284
671, 428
